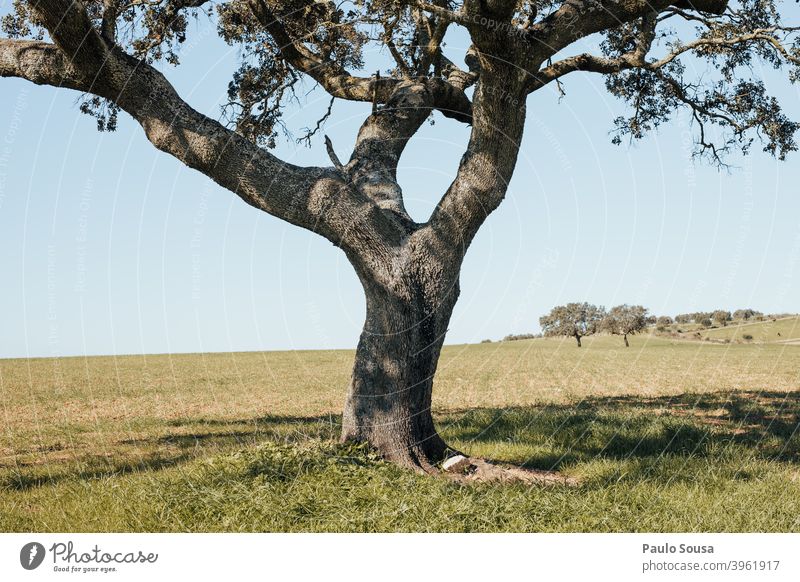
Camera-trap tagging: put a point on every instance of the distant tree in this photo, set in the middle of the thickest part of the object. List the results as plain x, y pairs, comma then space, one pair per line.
625, 320
705, 322
520, 336
700, 316
683, 318
573, 320
663, 322
721, 316
746, 314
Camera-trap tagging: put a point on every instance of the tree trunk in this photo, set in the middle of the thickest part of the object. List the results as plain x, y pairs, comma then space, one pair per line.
577, 337
389, 402
625, 337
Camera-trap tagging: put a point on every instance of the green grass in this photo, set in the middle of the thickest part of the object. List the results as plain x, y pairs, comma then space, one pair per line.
664, 436
784, 330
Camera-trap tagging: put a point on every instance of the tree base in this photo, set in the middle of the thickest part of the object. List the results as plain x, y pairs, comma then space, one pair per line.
434, 461
423, 455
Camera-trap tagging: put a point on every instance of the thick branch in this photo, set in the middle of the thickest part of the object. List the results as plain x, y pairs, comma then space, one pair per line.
338, 82
39, 62
598, 64
637, 59
577, 19
381, 140
317, 199
332, 77
486, 168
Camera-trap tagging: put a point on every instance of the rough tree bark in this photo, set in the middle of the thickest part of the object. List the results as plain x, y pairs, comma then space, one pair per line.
411, 290
389, 401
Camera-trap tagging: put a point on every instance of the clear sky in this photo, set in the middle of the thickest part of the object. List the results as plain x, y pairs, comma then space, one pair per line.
109, 246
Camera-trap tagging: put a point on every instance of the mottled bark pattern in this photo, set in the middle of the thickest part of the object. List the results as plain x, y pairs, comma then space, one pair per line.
389, 401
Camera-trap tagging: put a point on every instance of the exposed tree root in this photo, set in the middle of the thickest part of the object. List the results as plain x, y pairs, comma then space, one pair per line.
475, 470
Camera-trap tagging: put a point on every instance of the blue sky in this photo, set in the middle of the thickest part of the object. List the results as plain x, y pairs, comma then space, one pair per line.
109, 246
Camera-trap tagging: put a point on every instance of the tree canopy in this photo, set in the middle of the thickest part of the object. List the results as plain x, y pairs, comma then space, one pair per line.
641, 50
721, 316
572, 320
625, 320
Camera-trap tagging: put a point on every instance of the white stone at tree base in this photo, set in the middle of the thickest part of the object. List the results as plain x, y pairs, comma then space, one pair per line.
456, 464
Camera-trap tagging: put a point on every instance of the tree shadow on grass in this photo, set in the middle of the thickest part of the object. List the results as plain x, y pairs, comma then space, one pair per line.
25, 477
200, 432
761, 425
177, 442
764, 425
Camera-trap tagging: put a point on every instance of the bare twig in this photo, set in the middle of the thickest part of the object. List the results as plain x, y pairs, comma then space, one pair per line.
332, 155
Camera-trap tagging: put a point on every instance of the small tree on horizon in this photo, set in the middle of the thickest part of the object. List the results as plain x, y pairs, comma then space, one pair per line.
625, 320
663, 322
721, 316
572, 320
746, 314
701, 316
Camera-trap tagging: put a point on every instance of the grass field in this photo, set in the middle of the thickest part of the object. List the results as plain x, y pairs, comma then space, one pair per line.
784, 330
663, 436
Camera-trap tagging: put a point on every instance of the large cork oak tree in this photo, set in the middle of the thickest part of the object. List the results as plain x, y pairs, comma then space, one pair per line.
647, 50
